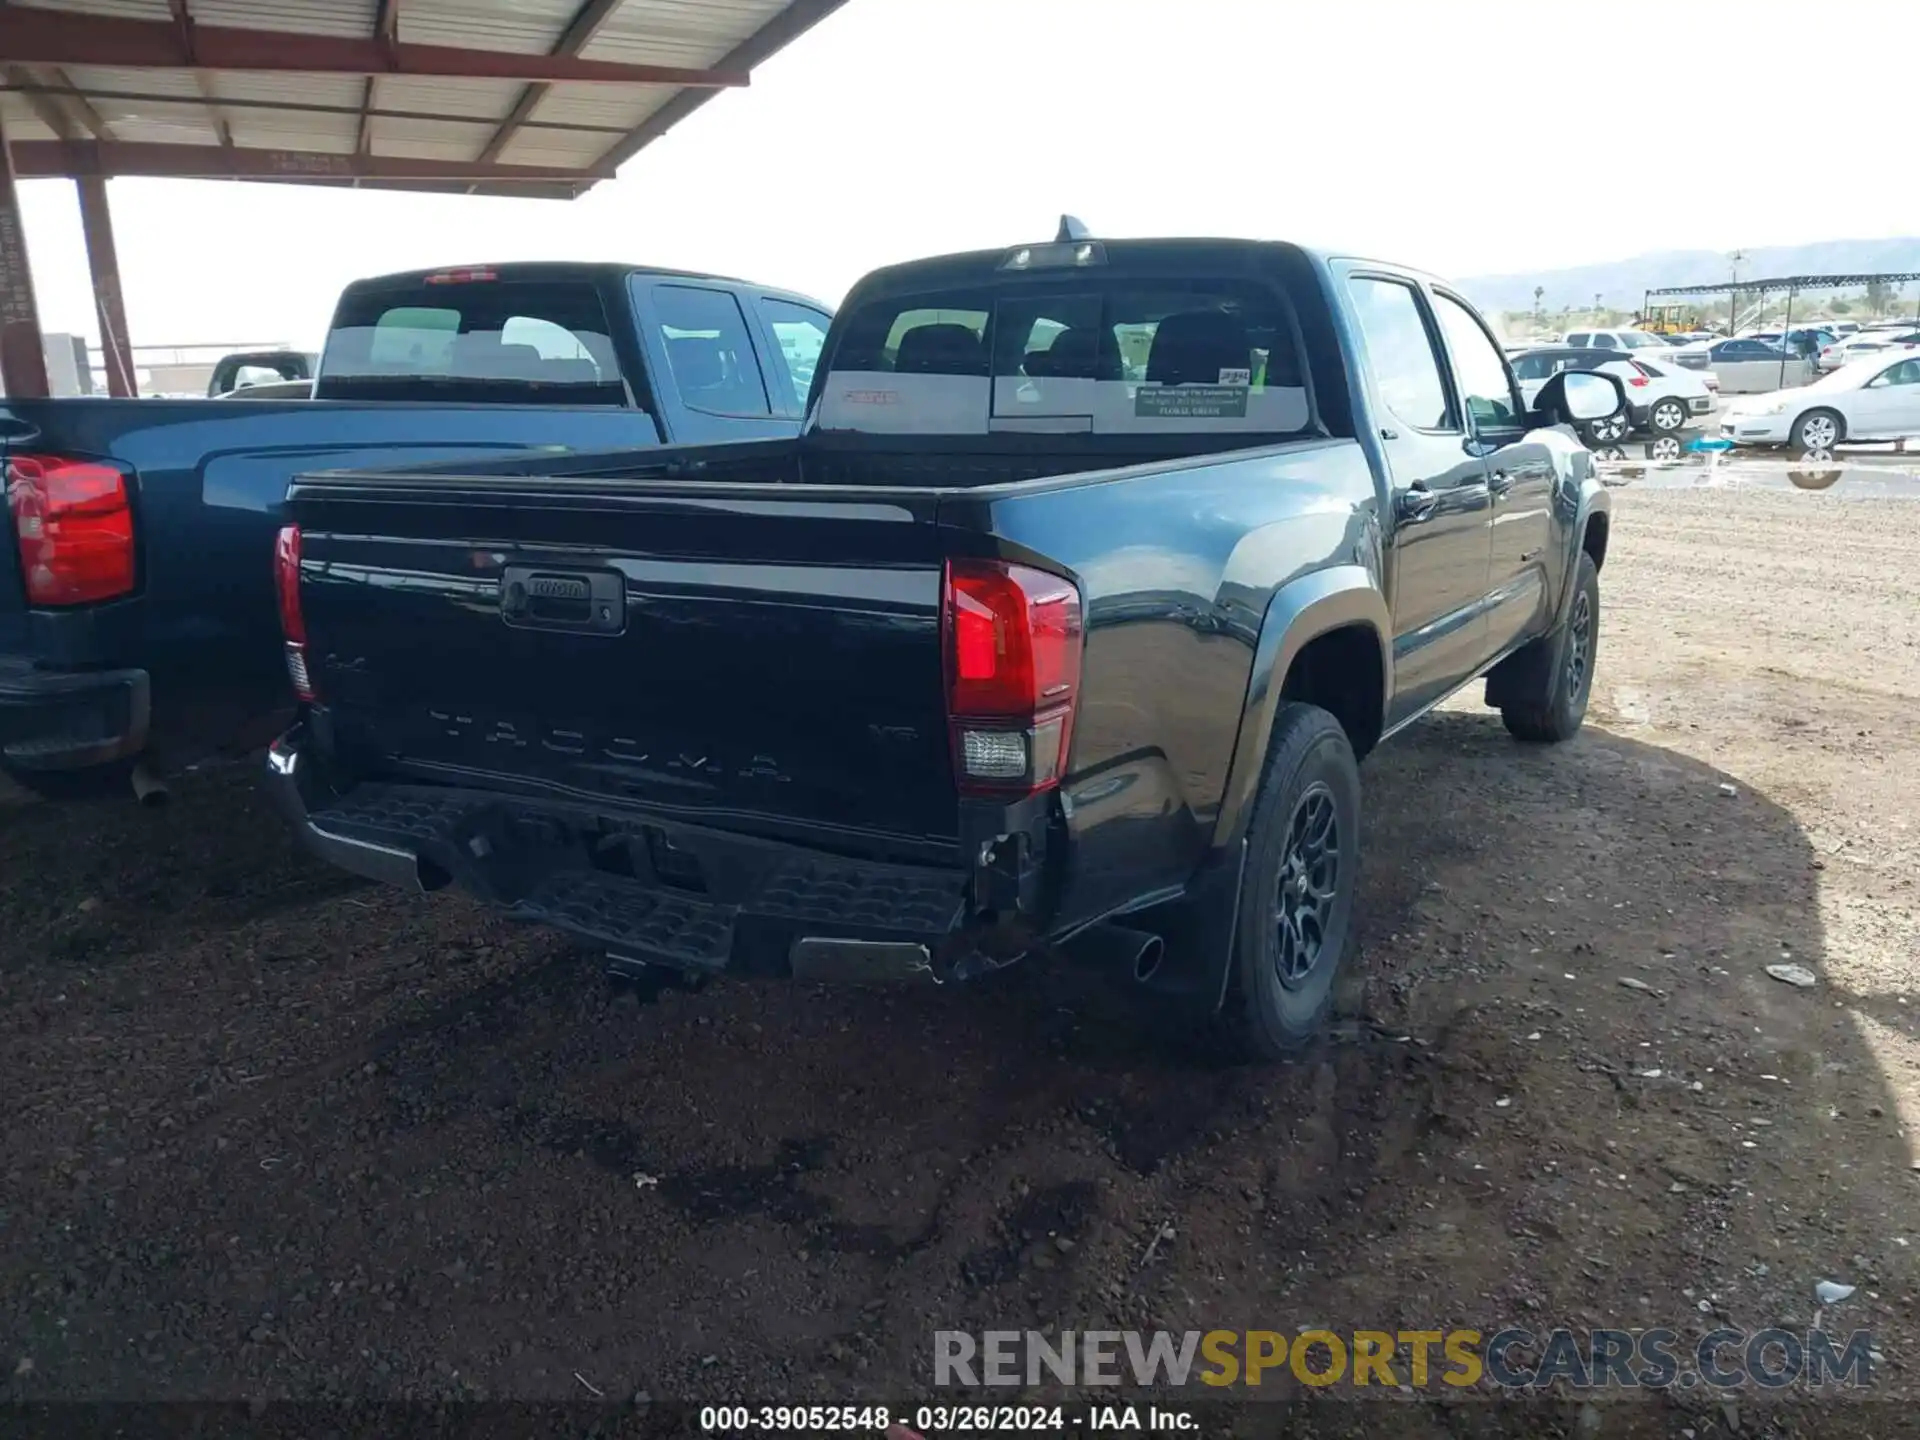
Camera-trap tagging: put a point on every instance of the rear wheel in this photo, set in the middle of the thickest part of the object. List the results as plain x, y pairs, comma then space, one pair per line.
1668, 416
1557, 704
1665, 447
1296, 898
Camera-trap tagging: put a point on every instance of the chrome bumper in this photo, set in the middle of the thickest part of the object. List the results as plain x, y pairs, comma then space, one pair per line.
292, 784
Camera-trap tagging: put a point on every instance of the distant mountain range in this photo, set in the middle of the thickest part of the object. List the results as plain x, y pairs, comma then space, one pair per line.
1623, 283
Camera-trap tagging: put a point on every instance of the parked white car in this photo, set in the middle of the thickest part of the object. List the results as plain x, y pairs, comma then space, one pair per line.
1865, 345
1660, 398
1639, 342
1873, 399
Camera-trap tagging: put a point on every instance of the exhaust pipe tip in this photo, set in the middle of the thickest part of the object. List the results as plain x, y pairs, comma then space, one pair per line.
148, 788
1146, 964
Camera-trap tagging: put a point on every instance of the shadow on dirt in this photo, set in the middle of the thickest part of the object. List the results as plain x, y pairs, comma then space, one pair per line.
872, 1167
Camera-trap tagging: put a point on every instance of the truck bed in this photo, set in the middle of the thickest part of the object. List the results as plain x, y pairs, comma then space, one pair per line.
612, 666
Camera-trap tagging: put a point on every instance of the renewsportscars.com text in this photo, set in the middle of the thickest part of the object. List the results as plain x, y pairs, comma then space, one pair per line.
1509, 1359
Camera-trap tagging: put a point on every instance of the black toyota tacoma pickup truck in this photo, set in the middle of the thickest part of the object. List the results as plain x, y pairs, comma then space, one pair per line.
136, 565
1063, 624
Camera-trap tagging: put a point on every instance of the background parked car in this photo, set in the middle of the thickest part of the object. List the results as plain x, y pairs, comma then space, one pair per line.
1748, 366
1637, 341
1660, 398
1862, 346
1872, 399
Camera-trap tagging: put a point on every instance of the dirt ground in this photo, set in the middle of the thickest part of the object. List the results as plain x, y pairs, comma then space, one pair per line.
271, 1133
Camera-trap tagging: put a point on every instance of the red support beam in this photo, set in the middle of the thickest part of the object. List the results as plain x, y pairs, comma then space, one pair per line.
183, 21
386, 30
586, 22
23, 355
116, 348
62, 37
82, 106
41, 159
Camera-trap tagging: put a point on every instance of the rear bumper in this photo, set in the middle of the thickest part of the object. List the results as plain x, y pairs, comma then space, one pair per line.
659, 892
70, 720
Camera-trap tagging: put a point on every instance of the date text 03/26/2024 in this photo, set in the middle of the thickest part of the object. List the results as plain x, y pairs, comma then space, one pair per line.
929, 1420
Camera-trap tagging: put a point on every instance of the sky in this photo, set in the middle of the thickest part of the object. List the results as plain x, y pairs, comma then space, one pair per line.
1420, 132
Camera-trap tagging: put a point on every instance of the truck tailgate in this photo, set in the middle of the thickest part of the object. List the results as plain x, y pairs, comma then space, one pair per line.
760, 657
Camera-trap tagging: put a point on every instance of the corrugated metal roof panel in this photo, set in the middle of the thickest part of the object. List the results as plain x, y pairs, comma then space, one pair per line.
178, 126
521, 27
21, 122
176, 83
190, 118
491, 99
622, 105
299, 17
293, 130
338, 90
691, 33
127, 9
571, 149
462, 138
417, 148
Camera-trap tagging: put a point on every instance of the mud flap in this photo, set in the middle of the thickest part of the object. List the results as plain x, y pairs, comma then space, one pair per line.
1526, 672
1198, 929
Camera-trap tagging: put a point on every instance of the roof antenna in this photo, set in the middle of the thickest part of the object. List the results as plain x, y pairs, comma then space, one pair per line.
1071, 229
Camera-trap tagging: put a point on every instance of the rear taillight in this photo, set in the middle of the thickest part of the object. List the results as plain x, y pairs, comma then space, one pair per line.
1637, 381
293, 624
74, 523
1012, 637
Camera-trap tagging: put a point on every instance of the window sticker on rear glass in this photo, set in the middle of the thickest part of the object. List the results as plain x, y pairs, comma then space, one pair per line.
1236, 377
1191, 402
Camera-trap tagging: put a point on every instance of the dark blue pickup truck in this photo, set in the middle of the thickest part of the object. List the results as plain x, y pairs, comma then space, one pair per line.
1062, 626
137, 618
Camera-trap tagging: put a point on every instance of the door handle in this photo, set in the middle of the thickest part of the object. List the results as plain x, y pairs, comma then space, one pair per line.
1414, 504
592, 601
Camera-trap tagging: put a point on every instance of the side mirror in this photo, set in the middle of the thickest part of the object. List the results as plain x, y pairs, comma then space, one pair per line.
1580, 397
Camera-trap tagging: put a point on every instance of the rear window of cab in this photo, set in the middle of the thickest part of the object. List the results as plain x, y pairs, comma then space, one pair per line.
1097, 354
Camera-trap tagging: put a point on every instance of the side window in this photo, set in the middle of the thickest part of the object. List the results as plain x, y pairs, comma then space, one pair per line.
1907, 372
1400, 351
1579, 339
1478, 366
709, 350
1604, 341
800, 333
1533, 367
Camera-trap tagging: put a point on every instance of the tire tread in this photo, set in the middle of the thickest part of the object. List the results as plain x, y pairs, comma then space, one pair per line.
1297, 730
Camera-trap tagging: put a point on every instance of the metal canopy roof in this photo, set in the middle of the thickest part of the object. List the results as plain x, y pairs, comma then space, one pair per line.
1794, 282
512, 97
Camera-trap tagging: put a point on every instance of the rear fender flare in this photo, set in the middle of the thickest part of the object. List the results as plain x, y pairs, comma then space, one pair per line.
1300, 611
1594, 501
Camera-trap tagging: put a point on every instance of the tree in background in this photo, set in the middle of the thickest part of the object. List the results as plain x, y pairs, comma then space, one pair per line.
1539, 309
1879, 297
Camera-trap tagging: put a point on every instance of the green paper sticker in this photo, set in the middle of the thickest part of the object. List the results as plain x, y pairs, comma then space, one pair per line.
1190, 402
